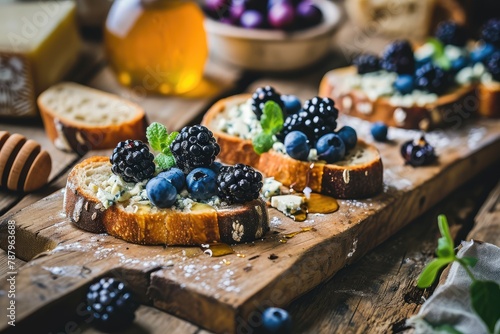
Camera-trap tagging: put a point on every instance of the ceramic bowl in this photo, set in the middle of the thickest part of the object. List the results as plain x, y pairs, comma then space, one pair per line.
273, 50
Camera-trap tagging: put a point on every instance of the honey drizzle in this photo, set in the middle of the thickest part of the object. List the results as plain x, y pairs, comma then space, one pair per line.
293, 234
217, 250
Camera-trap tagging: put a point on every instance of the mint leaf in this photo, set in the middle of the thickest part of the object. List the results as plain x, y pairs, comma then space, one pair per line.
439, 57
485, 298
272, 118
445, 243
430, 272
437, 45
164, 161
443, 62
468, 261
156, 134
165, 145
263, 142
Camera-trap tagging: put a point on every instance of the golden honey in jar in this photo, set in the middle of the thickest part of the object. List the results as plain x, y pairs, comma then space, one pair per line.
159, 45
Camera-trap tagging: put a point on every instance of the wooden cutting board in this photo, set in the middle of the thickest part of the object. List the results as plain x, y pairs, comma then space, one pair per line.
225, 294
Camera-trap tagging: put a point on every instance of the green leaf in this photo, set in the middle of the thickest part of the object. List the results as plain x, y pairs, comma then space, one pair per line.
445, 243
165, 145
437, 45
272, 118
468, 261
156, 134
263, 142
430, 272
439, 57
485, 297
442, 62
446, 329
164, 161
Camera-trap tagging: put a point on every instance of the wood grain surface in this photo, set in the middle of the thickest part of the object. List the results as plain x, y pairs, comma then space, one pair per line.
222, 294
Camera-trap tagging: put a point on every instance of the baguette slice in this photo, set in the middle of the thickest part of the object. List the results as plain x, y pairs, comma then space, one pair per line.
448, 110
151, 226
489, 99
79, 118
359, 175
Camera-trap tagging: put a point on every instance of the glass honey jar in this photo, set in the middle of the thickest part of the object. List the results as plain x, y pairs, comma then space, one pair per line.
159, 45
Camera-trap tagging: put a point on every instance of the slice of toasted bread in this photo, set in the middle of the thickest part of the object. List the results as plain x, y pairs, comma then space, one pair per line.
148, 225
359, 175
489, 99
79, 118
461, 103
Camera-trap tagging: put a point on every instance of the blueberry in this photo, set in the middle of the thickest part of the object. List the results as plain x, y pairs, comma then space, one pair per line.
459, 63
292, 104
296, 145
161, 192
348, 136
276, 321
481, 53
216, 166
418, 153
404, 83
331, 148
379, 131
201, 183
176, 177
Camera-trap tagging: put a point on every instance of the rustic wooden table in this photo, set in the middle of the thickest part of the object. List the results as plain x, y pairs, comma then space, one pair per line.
376, 294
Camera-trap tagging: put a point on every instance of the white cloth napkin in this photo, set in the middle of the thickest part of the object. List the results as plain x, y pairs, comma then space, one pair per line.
451, 304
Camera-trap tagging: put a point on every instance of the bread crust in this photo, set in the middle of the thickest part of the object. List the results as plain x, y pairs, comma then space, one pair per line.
440, 113
80, 137
202, 225
489, 99
358, 181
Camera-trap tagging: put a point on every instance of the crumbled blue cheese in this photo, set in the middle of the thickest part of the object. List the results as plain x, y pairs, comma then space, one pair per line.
270, 188
288, 204
374, 84
279, 147
115, 189
239, 120
416, 97
474, 73
453, 52
313, 155
424, 52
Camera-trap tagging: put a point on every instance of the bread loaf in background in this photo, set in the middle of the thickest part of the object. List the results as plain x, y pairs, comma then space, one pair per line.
78, 118
411, 19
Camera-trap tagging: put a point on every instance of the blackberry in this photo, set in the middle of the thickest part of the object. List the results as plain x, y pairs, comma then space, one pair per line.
449, 32
432, 78
194, 147
111, 304
261, 96
490, 32
132, 160
398, 57
493, 65
317, 118
367, 63
239, 183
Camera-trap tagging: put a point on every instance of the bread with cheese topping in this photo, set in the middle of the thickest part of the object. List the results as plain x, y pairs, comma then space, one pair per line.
149, 225
358, 175
446, 110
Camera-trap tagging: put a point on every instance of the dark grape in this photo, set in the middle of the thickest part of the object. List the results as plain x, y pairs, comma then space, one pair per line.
281, 15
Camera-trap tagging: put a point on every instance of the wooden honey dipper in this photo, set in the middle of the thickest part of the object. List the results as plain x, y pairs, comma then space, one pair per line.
24, 166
